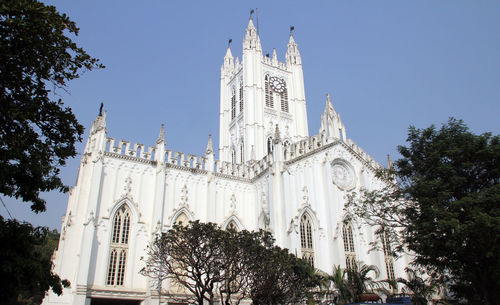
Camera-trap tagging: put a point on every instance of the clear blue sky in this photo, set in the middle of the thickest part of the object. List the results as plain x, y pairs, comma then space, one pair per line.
388, 65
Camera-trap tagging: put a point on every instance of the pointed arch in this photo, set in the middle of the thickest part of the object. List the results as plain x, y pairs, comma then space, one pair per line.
178, 216
119, 244
233, 103
286, 146
241, 95
269, 144
235, 221
388, 257
284, 99
269, 94
349, 248
306, 238
128, 201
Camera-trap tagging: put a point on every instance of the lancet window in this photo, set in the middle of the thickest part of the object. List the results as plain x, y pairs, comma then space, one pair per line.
270, 145
242, 153
269, 93
233, 156
284, 100
350, 252
182, 220
286, 145
119, 247
232, 226
306, 239
233, 104
241, 96
389, 259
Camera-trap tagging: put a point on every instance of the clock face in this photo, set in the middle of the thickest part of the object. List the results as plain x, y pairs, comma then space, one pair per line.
277, 84
343, 175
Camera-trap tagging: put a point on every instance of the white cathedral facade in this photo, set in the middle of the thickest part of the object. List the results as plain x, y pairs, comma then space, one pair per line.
271, 174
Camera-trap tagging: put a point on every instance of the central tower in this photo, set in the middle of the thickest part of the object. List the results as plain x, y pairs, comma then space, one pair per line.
257, 95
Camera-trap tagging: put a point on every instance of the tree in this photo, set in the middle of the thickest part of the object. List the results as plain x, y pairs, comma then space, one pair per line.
279, 277
338, 281
26, 269
37, 133
351, 284
442, 204
421, 290
359, 280
189, 256
230, 265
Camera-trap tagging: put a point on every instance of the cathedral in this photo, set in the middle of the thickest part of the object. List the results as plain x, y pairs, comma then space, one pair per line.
270, 174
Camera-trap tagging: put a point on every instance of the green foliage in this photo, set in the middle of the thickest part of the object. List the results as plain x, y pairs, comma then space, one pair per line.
350, 284
25, 271
229, 265
445, 207
37, 134
418, 288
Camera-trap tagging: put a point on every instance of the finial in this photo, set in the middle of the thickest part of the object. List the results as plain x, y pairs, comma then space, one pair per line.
229, 42
291, 30
251, 13
390, 165
277, 135
328, 98
100, 109
209, 145
161, 136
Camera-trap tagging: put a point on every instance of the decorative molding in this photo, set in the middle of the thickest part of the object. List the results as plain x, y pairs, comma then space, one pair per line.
184, 197
343, 175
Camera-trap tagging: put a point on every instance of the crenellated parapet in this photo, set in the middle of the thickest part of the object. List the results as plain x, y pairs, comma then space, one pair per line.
302, 149
274, 63
137, 152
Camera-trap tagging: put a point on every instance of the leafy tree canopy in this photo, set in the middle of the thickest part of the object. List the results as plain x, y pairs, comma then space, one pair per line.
26, 268
37, 133
444, 207
229, 266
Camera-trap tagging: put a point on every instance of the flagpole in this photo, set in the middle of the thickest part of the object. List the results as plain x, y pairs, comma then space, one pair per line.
257, 19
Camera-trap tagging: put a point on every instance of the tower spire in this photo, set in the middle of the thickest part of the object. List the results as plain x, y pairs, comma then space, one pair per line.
292, 52
228, 58
390, 165
328, 105
161, 135
251, 40
210, 149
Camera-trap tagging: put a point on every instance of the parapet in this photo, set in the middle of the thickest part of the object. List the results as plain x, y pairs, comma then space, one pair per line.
179, 160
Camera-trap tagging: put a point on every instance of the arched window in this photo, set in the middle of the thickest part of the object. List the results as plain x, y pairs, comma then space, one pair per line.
284, 100
233, 104
350, 253
389, 259
242, 153
233, 156
269, 94
286, 144
270, 145
241, 95
232, 226
182, 220
119, 247
306, 239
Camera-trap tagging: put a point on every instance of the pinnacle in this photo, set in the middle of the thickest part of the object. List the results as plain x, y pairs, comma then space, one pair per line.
250, 24
161, 136
228, 52
209, 145
328, 104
